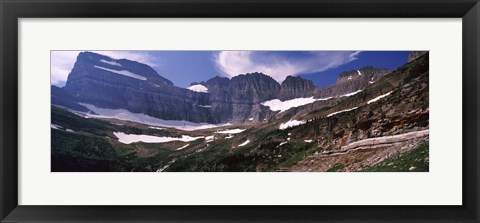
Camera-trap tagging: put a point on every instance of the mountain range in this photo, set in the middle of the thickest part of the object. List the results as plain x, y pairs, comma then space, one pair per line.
108, 83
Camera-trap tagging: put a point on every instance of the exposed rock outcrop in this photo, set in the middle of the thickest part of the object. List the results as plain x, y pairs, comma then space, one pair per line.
238, 99
415, 54
296, 87
352, 81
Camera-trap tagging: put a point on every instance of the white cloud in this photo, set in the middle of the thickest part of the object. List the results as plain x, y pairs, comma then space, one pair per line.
139, 56
279, 65
62, 62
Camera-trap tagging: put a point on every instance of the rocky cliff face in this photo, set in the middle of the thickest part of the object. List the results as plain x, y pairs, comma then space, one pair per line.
296, 87
238, 99
415, 54
352, 81
116, 84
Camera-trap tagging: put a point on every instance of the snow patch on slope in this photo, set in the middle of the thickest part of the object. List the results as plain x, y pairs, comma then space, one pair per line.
53, 126
379, 97
126, 115
231, 131
167, 165
198, 88
124, 73
291, 123
209, 138
183, 147
132, 138
244, 143
350, 94
338, 112
277, 105
113, 63
359, 73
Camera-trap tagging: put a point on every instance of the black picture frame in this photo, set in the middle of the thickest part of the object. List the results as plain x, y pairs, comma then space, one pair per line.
12, 10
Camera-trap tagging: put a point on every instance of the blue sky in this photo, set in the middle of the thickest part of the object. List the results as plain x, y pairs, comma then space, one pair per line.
185, 67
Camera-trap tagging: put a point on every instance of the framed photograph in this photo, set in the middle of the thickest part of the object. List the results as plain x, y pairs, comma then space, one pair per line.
228, 111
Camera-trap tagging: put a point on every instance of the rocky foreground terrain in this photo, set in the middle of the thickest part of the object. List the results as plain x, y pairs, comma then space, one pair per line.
120, 115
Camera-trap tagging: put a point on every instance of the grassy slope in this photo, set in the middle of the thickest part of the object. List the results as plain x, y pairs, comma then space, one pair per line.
79, 152
415, 160
93, 147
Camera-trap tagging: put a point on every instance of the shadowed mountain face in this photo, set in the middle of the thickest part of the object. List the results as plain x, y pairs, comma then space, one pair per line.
296, 87
61, 98
136, 87
238, 99
123, 84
